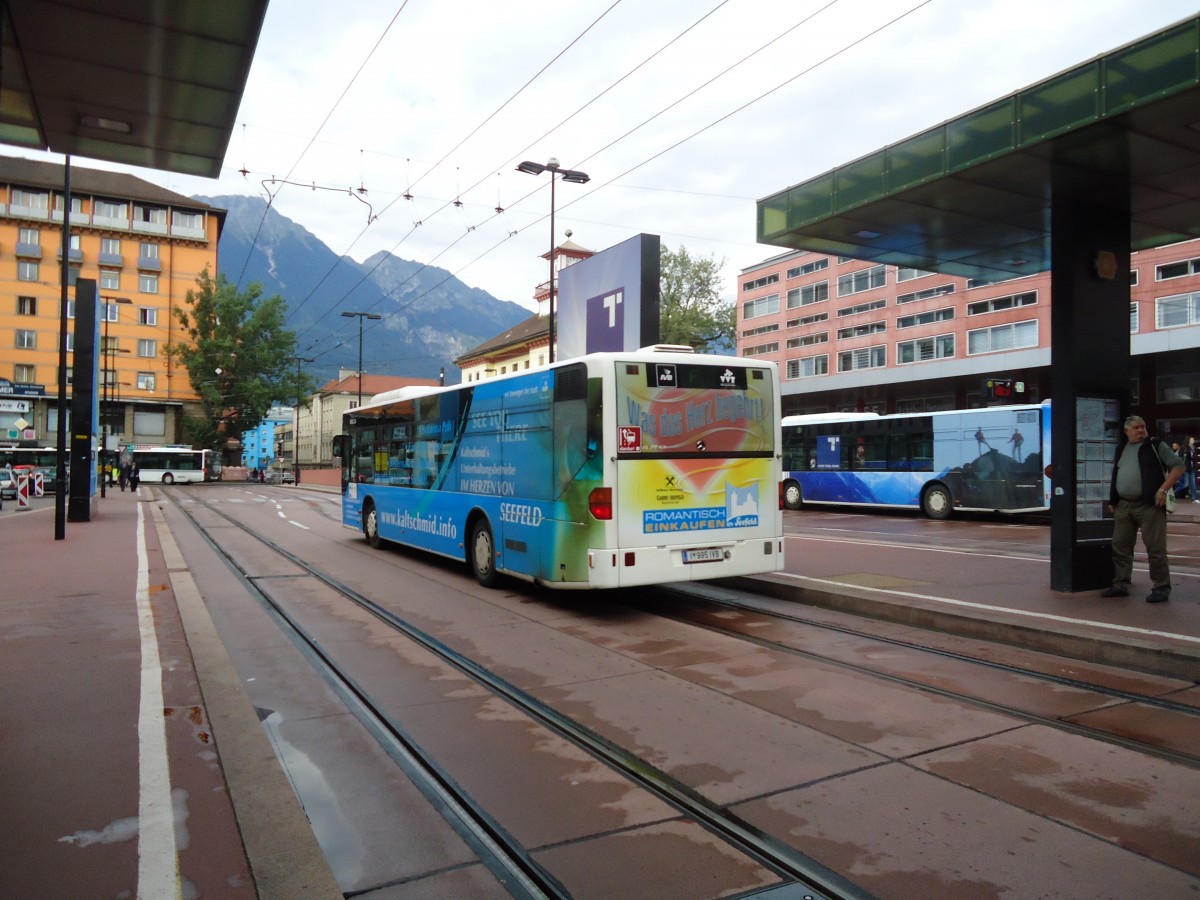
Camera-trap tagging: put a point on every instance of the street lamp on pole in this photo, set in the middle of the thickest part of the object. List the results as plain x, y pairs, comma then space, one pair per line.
361, 316
107, 350
296, 432
573, 176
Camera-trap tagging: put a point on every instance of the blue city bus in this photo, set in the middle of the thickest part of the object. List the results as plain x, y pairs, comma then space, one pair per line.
993, 459
608, 470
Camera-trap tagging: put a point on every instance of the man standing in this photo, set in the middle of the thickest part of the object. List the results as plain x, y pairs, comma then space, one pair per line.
1145, 471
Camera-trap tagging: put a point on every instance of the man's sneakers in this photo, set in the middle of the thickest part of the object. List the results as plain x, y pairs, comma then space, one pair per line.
1158, 597
1114, 592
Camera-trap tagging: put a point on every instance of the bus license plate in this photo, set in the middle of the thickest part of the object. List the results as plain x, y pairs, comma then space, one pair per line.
704, 554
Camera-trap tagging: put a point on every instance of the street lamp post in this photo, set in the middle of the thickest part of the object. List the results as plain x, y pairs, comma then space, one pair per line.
361, 316
296, 430
573, 176
107, 350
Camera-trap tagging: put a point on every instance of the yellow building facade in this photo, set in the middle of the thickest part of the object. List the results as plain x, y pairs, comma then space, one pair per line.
144, 246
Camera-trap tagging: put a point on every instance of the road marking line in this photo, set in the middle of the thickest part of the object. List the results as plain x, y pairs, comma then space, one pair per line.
967, 604
158, 862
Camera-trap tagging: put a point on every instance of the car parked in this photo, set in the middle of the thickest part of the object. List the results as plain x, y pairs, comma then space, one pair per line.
8, 485
288, 477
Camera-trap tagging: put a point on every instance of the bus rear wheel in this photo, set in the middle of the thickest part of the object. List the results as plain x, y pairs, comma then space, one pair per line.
168, 478
371, 526
936, 502
793, 495
482, 556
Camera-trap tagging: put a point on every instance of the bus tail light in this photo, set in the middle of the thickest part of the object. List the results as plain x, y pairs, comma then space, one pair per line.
600, 503
782, 490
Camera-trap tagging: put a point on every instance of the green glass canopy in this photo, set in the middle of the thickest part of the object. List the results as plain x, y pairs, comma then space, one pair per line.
972, 196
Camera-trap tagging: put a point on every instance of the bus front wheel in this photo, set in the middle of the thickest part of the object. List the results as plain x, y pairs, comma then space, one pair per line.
482, 558
793, 496
371, 527
936, 502
168, 478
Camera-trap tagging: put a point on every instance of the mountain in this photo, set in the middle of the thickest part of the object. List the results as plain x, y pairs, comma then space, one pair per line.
429, 317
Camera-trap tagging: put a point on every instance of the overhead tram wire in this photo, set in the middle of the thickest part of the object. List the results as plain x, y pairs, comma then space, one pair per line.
440, 209
312, 140
678, 143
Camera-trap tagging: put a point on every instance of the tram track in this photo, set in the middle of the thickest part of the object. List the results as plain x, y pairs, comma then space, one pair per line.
719, 598
512, 863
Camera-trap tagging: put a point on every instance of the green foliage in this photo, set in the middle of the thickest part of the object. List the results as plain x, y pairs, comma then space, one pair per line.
239, 358
691, 309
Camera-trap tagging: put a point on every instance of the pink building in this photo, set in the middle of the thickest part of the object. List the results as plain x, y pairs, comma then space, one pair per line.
850, 335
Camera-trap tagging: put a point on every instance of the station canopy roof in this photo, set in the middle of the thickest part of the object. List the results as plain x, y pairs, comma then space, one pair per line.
972, 196
152, 83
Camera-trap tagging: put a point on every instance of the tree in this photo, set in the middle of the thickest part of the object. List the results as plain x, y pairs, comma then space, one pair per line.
238, 356
691, 309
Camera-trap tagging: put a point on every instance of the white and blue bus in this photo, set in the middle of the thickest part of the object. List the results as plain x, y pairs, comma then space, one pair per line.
993, 459
174, 465
609, 470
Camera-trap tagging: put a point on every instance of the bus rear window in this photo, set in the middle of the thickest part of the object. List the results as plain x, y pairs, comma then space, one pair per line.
685, 409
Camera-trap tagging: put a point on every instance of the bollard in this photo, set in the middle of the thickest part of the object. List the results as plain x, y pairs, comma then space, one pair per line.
23, 490
39, 484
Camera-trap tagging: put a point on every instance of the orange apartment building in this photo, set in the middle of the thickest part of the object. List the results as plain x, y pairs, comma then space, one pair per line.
850, 335
145, 247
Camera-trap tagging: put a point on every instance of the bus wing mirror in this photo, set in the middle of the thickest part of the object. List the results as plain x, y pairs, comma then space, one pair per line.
339, 445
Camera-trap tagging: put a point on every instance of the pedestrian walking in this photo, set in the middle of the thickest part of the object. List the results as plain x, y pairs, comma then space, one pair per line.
135, 475
1144, 472
123, 475
1191, 462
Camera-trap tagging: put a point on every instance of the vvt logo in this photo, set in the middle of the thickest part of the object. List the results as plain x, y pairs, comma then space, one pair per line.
727, 379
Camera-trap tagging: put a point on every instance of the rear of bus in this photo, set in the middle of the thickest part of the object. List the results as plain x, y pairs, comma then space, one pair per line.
691, 457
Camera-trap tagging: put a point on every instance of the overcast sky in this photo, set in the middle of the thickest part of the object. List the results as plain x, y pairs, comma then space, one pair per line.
683, 112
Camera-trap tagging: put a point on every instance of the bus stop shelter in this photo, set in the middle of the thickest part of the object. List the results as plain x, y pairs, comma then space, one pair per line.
1068, 175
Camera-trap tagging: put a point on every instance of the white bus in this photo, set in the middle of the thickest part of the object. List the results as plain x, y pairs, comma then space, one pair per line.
610, 470
173, 465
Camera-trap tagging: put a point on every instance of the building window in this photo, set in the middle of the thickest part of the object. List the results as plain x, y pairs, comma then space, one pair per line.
148, 422
926, 318
996, 304
193, 221
148, 250
810, 293
861, 308
110, 279
808, 268
24, 374
762, 329
147, 348
905, 274
862, 280
808, 320
1178, 387
759, 349
145, 381
808, 340
110, 246
1133, 318
862, 358
1133, 277
1013, 336
1172, 312
148, 282
760, 282
27, 306
859, 330
763, 306
109, 313
110, 209
808, 366
26, 339
30, 199
925, 349
928, 294
147, 315
30, 238
152, 215
27, 270
1180, 269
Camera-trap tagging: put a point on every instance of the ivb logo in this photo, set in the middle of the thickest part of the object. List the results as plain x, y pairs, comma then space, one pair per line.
664, 375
